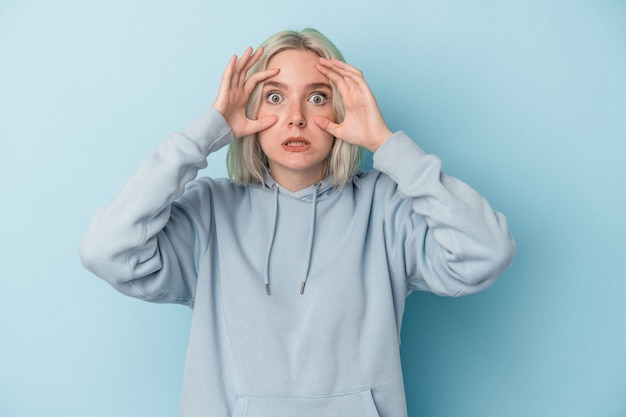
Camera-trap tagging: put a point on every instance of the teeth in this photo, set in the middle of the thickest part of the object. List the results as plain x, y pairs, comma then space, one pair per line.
296, 143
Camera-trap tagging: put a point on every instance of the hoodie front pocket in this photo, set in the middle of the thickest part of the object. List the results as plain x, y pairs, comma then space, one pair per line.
353, 404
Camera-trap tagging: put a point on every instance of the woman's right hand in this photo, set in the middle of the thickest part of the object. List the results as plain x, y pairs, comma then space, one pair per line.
235, 90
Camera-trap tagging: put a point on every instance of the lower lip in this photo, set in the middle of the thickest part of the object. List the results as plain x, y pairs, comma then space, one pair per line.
300, 148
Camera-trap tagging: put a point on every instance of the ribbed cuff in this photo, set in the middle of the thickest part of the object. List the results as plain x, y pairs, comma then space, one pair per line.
397, 155
209, 131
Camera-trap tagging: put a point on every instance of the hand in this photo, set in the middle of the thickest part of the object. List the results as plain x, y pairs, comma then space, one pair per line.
363, 124
235, 90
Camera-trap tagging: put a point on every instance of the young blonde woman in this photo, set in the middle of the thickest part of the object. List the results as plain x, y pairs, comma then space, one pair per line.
298, 266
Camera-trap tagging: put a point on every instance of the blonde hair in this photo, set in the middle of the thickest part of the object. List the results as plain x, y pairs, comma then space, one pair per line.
245, 161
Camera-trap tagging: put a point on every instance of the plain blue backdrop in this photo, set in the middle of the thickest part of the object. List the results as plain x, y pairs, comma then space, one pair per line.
525, 101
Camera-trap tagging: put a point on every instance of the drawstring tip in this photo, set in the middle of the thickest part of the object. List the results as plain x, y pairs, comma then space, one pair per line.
302, 287
267, 289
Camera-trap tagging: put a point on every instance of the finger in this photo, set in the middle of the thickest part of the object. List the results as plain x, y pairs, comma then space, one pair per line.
254, 58
258, 77
228, 72
345, 85
344, 66
351, 76
240, 65
255, 126
225, 84
251, 58
354, 77
334, 76
326, 124
345, 70
250, 61
266, 122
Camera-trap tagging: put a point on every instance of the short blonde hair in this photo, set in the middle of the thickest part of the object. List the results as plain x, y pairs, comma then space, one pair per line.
245, 161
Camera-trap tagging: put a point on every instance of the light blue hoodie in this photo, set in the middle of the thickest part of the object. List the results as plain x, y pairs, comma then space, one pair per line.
333, 349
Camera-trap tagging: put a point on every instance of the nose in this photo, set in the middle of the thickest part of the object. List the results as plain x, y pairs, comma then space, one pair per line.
296, 116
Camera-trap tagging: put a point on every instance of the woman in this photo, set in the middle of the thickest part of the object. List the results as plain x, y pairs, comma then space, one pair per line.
298, 266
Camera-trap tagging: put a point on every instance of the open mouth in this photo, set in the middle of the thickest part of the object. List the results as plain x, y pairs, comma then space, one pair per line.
296, 144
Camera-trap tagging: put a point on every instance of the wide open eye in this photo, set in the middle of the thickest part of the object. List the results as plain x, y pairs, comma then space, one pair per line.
273, 97
318, 98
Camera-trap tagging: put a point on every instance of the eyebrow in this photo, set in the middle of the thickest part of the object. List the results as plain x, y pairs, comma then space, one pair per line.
312, 86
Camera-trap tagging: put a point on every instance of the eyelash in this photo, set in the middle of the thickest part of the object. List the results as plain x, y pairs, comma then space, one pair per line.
269, 93
317, 93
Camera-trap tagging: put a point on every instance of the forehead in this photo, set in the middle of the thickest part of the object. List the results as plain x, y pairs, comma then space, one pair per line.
296, 67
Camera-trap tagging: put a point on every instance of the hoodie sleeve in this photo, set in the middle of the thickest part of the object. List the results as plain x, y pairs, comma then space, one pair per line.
443, 236
146, 243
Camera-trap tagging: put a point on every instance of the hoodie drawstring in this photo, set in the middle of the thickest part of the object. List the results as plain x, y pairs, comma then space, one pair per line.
311, 235
271, 241
270, 244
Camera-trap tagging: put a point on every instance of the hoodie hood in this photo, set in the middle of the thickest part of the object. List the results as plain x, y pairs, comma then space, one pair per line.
324, 188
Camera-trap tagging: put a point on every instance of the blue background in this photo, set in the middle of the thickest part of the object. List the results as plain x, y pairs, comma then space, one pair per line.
525, 101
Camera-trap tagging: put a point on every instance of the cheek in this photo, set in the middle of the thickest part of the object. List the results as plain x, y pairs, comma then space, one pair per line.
263, 138
262, 111
269, 139
326, 111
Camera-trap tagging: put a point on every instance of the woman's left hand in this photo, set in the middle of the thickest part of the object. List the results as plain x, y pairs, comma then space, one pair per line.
363, 124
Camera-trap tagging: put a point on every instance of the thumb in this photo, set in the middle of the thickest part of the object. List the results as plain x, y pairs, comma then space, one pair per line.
265, 122
326, 124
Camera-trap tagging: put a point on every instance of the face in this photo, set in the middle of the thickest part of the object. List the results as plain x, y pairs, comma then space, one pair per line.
296, 148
